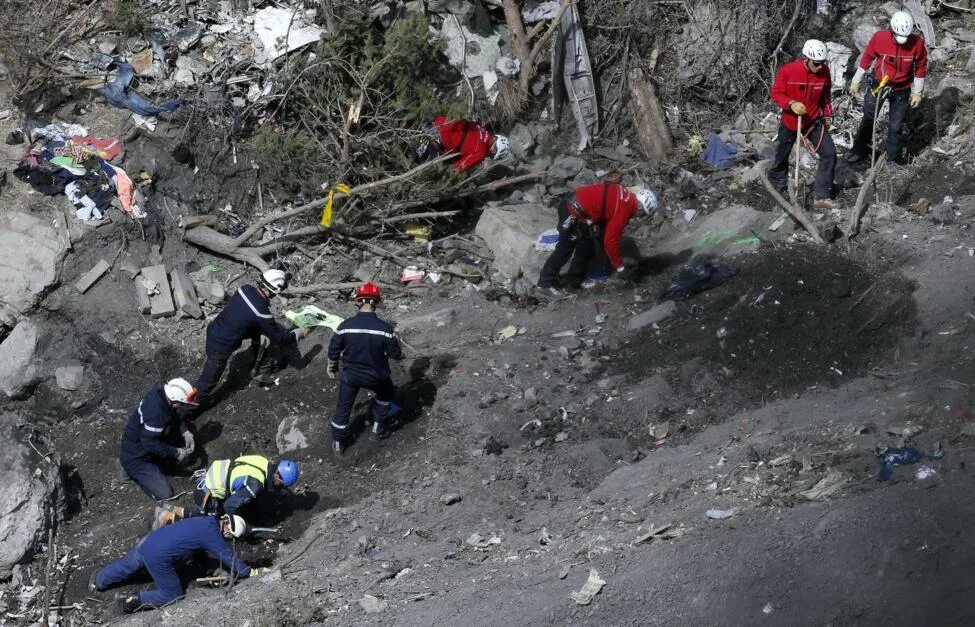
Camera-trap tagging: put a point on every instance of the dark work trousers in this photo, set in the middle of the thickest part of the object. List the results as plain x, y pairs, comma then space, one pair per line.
148, 476
899, 102
778, 174
168, 585
576, 242
213, 369
349, 385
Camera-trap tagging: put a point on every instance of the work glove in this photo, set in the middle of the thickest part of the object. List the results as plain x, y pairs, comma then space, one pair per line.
797, 107
915, 101
183, 453
305, 331
259, 572
855, 90
333, 369
189, 442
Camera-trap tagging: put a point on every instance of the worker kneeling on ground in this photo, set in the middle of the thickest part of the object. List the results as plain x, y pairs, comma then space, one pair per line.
229, 486
900, 65
160, 552
802, 90
153, 424
603, 207
246, 316
364, 344
472, 141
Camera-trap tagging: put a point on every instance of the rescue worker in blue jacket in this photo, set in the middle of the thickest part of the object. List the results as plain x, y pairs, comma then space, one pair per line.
160, 552
364, 344
229, 486
153, 424
246, 316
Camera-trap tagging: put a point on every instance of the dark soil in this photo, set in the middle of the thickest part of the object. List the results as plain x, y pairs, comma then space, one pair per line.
793, 317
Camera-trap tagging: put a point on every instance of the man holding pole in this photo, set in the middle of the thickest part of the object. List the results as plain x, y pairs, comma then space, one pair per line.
802, 90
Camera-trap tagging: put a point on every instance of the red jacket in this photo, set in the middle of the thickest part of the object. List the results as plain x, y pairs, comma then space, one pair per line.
901, 63
610, 205
795, 82
469, 139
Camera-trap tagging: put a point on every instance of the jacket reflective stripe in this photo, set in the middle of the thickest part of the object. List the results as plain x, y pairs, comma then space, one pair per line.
142, 422
251, 305
366, 331
220, 476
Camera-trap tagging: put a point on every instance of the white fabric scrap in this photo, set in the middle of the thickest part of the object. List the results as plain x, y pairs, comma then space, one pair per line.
282, 30
85, 206
838, 56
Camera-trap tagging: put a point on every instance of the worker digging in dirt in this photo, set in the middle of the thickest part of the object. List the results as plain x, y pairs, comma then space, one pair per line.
246, 316
161, 550
230, 486
900, 64
604, 207
802, 90
151, 427
364, 343
470, 140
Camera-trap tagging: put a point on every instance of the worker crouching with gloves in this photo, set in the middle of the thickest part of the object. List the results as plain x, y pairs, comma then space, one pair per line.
247, 315
159, 552
802, 90
231, 486
151, 427
364, 344
900, 65
471, 141
603, 207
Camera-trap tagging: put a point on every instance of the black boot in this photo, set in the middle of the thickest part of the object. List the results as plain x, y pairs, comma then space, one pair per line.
128, 603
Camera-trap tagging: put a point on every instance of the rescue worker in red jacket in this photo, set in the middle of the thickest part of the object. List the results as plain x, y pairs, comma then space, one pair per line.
900, 63
606, 206
802, 90
472, 141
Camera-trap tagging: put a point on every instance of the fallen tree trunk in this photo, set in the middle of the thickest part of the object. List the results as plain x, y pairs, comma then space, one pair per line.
649, 119
794, 210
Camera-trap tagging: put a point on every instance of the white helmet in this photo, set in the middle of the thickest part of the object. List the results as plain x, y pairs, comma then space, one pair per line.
814, 50
902, 23
647, 199
180, 391
274, 281
238, 526
502, 147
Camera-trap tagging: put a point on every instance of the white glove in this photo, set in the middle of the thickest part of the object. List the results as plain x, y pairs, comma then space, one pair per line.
183, 453
189, 442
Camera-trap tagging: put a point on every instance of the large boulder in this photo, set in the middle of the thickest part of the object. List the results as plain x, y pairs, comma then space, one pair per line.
32, 249
31, 497
20, 370
511, 231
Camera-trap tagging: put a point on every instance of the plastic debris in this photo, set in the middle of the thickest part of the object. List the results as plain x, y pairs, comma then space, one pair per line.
892, 457
411, 274
590, 589
312, 316
720, 514
924, 472
699, 274
372, 605
283, 30
546, 241
826, 487
507, 333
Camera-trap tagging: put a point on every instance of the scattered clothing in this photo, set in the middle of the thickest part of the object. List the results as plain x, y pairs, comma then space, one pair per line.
159, 552
719, 153
892, 457
118, 93
85, 207
699, 274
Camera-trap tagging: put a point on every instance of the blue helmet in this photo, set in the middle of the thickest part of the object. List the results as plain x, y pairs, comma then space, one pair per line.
288, 471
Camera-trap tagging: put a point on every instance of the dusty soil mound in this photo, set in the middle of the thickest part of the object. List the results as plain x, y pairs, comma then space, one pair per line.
792, 318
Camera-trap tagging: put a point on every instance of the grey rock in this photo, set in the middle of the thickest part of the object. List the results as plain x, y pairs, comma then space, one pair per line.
970, 65
290, 436
943, 213
963, 85
522, 141
653, 315
586, 177
30, 494
450, 498
429, 321
70, 377
19, 370
27, 275
862, 34
510, 232
565, 167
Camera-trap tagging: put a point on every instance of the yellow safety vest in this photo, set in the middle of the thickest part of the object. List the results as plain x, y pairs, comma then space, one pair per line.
222, 473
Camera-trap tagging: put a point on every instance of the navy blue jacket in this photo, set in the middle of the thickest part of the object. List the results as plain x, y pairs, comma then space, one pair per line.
246, 315
365, 344
144, 431
185, 537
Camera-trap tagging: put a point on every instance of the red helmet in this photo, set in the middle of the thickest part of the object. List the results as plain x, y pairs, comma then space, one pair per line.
368, 291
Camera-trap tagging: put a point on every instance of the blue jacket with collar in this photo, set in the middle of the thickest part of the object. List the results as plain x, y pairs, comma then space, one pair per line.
246, 315
365, 344
185, 537
146, 425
